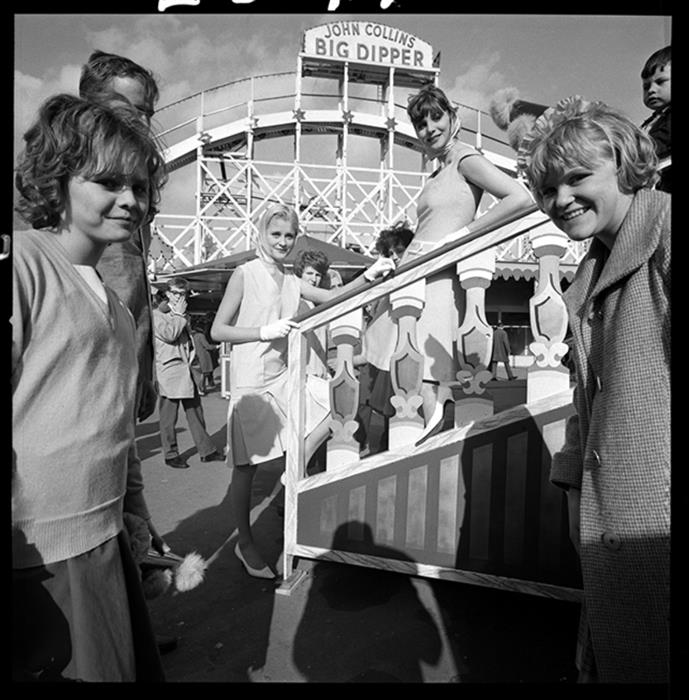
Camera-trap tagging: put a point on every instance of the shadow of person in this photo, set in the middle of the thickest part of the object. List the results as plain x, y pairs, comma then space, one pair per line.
513, 525
217, 646
41, 646
361, 624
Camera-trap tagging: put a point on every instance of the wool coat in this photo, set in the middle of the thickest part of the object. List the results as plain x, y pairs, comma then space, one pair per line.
203, 351
617, 446
501, 346
174, 352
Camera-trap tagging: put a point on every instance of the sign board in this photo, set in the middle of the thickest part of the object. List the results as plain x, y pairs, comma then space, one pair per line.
356, 41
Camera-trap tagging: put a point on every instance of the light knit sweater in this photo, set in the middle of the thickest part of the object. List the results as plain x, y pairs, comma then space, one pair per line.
74, 369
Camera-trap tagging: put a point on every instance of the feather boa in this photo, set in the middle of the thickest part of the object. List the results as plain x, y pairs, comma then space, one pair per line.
159, 572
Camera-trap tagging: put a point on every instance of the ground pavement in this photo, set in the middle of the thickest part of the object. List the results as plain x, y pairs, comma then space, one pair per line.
342, 623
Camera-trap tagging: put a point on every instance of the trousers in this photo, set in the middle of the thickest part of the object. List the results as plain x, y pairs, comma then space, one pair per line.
168, 410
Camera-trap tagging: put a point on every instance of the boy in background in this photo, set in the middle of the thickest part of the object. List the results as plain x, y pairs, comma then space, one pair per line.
655, 81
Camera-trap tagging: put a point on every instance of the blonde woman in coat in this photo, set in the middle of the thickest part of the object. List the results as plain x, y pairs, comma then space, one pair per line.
591, 170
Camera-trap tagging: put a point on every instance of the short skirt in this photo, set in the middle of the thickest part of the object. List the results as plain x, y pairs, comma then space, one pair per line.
257, 420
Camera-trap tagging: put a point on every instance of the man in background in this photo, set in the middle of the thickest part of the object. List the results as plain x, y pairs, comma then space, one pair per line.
174, 353
501, 351
107, 79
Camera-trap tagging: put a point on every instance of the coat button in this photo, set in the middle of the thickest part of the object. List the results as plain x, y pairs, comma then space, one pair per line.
611, 540
596, 456
599, 384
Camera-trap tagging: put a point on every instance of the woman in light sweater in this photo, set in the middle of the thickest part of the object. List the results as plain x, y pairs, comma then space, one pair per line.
88, 176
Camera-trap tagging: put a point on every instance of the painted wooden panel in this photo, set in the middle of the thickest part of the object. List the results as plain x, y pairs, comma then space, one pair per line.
328, 522
481, 473
448, 527
478, 502
551, 501
515, 498
416, 507
356, 512
385, 512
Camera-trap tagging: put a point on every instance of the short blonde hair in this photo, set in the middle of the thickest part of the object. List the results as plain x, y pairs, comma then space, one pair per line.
576, 132
280, 211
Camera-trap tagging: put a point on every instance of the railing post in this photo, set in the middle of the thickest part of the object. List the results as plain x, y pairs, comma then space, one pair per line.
548, 316
406, 366
295, 457
343, 448
474, 339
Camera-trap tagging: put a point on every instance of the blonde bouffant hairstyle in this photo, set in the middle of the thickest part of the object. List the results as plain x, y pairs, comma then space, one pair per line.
578, 133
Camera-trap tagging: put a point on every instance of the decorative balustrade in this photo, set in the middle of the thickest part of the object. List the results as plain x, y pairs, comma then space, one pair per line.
473, 258
548, 316
474, 339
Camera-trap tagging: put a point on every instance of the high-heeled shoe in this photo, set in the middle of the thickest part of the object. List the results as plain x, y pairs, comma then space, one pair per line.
438, 422
265, 572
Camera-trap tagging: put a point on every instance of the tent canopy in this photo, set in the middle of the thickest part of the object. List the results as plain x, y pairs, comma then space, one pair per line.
209, 279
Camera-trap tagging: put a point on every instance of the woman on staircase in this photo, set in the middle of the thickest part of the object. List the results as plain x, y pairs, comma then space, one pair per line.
446, 211
255, 316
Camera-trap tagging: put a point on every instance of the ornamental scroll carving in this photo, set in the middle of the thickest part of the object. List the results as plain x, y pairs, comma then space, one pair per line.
345, 333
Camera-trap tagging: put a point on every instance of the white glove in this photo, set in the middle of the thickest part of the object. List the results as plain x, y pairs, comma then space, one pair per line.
380, 268
277, 329
451, 237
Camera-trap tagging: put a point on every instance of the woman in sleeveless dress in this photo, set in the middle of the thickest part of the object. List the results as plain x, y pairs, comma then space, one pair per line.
255, 317
445, 211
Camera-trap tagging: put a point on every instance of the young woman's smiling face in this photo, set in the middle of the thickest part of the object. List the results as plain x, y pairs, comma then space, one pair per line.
279, 238
434, 129
585, 201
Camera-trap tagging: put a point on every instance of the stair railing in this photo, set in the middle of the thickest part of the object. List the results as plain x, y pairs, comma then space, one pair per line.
344, 316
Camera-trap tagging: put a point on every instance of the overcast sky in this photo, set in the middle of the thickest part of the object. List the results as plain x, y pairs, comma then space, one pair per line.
545, 57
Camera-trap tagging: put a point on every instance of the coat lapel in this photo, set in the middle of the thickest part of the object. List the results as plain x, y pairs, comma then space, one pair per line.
636, 241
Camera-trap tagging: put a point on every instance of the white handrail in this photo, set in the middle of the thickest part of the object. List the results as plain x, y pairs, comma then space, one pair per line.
481, 239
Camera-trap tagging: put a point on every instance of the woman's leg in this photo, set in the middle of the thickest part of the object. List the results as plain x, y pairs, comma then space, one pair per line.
438, 409
316, 437
429, 394
240, 491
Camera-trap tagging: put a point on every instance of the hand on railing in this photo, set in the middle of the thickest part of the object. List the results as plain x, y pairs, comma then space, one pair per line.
380, 268
277, 329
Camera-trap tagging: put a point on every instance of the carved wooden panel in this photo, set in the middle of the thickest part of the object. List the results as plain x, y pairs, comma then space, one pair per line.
345, 333
473, 505
406, 366
548, 317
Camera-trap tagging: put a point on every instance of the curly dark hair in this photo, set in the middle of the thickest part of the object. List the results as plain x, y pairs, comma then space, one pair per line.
396, 239
317, 259
102, 67
73, 137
